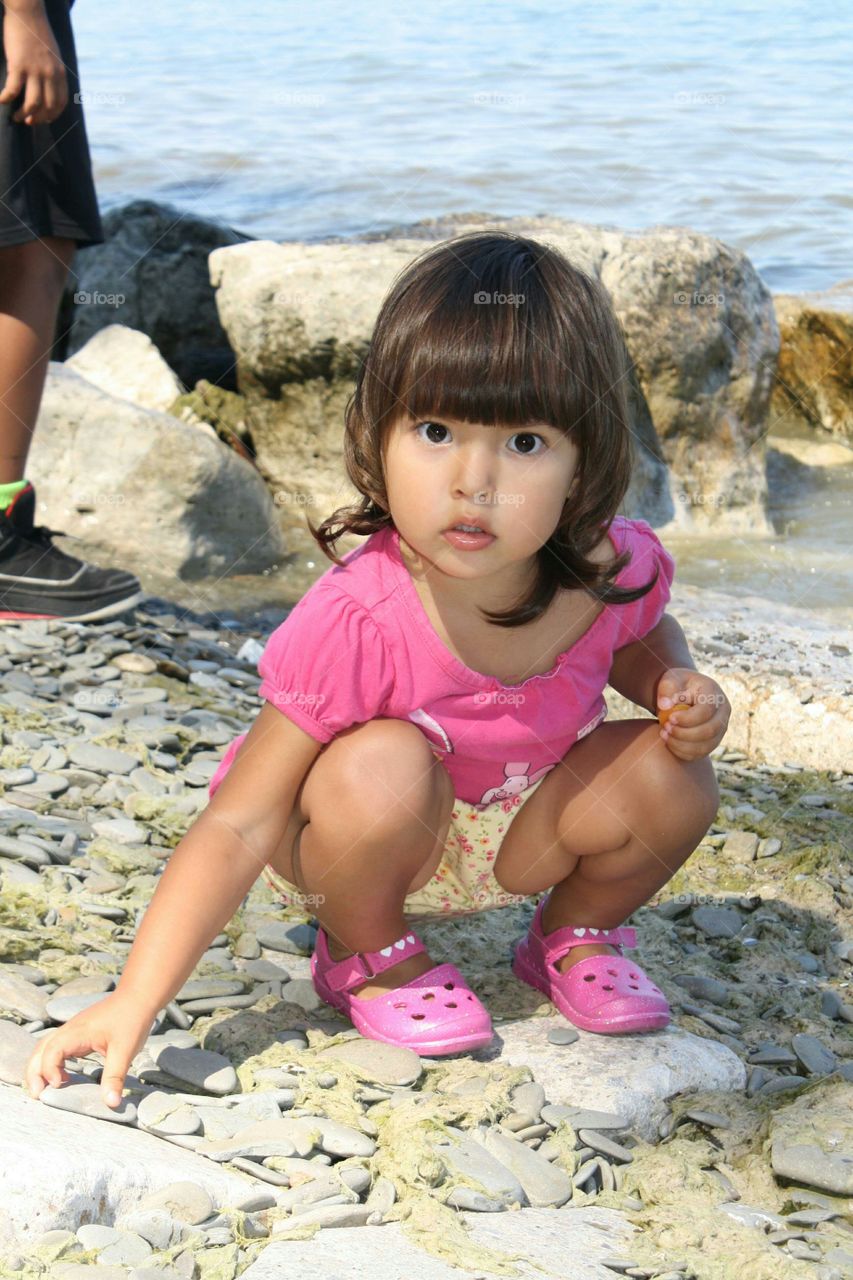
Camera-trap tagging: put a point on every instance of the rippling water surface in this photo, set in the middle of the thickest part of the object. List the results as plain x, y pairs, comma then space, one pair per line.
297, 121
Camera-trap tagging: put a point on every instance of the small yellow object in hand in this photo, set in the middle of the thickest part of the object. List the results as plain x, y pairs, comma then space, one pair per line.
665, 712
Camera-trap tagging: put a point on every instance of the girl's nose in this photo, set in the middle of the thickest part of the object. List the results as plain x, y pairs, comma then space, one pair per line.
475, 473
475, 490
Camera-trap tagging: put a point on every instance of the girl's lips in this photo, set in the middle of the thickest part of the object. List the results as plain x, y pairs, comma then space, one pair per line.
464, 541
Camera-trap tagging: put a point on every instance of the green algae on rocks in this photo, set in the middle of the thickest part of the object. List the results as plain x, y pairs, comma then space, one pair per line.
407, 1126
226, 411
161, 814
681, 1196
24, 938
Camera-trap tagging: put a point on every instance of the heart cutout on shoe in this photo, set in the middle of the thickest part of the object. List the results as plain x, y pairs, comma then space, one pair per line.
400, 945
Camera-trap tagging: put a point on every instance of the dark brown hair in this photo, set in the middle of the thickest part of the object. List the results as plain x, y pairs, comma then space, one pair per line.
443, 346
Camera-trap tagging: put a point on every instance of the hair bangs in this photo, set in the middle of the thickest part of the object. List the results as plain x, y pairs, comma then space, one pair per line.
482, 364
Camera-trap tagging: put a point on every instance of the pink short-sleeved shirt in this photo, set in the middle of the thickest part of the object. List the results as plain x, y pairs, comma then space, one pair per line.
359, 646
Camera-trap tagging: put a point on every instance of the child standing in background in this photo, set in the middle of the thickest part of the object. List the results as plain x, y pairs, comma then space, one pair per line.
432, 740
48, 209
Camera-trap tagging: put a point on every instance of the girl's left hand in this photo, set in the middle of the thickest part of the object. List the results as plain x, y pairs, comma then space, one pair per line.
696, 730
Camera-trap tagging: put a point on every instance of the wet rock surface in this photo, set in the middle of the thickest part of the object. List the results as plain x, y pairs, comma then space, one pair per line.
721, 1146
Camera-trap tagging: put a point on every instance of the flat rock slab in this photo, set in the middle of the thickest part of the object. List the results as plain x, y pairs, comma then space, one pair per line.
632, 1075
563, 1242
58, 1169
812, 1140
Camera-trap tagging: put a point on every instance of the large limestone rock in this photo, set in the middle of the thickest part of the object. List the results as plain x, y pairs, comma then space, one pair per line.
812, 453
59, 1170
151, 274
631, 1075
125, 363
801, 710
549, 1244
698, 320
156, 492
295, 442
814, 382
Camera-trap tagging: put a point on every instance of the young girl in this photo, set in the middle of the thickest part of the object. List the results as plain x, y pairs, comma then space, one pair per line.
432, 740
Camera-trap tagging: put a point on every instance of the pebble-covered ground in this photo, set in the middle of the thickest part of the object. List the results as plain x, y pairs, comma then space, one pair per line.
110, 734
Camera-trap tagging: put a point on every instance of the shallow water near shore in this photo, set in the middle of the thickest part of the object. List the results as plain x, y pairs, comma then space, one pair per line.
806, 565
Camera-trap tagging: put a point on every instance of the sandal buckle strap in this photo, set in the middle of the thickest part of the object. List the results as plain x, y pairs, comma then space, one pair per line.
355, 969
557, 943
623, 935
346, 973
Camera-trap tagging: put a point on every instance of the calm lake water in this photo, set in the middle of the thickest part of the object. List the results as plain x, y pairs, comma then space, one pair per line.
290, 121
300, 121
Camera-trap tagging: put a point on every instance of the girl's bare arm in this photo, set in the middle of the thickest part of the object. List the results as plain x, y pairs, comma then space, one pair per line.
212, 869
637, 667
203, 884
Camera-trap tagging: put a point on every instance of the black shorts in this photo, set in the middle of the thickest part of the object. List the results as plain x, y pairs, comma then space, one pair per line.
46, 185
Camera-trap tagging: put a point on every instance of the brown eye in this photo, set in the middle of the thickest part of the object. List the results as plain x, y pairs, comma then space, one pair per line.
433, 426
529, 436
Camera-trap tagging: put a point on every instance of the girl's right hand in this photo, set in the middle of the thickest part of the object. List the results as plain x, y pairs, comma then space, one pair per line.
112, 1027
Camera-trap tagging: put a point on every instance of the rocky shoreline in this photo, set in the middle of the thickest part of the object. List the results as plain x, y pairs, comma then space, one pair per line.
786, 670
720, 1146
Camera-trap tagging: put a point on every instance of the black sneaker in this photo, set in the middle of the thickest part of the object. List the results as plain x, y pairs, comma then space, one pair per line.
37, 580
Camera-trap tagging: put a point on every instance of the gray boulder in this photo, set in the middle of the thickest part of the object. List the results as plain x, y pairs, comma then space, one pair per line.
164, 495
151, 274
126, 363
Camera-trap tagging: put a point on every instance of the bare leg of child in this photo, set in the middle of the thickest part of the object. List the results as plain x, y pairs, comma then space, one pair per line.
612, 824
379, 807
398, 974
32, 277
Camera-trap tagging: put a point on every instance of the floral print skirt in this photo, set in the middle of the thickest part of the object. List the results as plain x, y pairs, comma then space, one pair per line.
464, 880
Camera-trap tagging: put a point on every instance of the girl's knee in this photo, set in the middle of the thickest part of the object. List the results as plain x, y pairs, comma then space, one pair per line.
384, 768
684, 789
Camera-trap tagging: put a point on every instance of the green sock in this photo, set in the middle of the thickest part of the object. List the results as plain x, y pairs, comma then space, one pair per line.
9, 491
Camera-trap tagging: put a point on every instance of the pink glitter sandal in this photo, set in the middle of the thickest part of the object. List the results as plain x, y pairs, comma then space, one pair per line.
433, 1014
605, 993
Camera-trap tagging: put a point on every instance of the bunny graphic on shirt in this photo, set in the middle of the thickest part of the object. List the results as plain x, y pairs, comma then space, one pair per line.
517, 780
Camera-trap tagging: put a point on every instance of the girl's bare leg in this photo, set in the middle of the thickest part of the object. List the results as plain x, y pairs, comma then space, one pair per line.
374, 811
609, 826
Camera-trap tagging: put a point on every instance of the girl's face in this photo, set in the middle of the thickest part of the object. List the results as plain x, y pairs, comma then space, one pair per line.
513, 481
